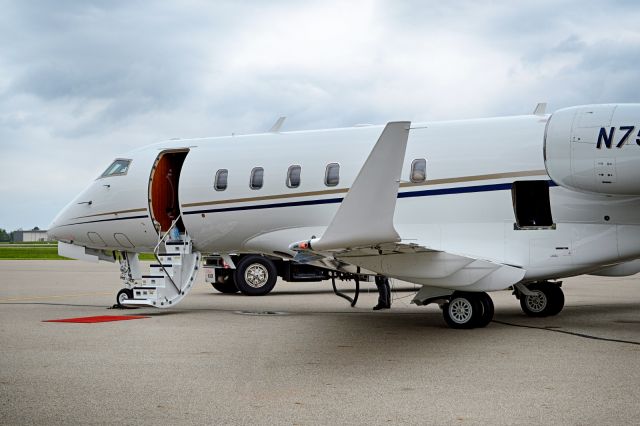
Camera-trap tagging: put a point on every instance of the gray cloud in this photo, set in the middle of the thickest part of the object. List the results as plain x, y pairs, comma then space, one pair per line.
82, 82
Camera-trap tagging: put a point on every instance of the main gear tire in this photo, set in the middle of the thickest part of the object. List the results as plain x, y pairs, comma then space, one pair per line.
547, 300
463, 310
487, 310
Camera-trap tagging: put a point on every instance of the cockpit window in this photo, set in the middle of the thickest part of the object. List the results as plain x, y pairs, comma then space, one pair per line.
119, 167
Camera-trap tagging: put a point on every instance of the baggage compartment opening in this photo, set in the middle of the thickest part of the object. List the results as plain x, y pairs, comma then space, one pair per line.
531, 204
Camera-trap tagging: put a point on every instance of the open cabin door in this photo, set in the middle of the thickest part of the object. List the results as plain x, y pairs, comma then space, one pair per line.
164, 203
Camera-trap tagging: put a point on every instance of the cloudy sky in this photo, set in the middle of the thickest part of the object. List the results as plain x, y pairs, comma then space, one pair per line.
84, 81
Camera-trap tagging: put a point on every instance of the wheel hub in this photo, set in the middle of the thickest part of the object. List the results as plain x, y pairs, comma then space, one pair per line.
256, 275
460, 311
537, 302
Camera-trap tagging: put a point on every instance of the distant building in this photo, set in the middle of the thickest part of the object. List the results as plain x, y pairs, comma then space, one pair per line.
34, 235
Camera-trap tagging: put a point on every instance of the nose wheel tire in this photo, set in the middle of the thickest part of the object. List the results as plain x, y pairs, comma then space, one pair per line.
124, 294
547, 300
255, 275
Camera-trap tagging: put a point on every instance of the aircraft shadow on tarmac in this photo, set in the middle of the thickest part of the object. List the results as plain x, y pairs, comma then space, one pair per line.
329, 290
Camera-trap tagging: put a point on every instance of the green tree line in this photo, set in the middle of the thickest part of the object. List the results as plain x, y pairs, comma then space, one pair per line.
4, 236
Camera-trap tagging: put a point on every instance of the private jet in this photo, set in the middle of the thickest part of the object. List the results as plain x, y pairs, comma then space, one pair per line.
461, 208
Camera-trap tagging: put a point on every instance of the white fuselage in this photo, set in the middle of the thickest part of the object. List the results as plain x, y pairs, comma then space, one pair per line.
464, 207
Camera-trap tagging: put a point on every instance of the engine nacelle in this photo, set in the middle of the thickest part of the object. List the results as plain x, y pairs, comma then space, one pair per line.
595, 148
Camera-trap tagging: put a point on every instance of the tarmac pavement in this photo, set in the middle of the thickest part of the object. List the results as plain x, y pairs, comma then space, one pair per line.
301, 355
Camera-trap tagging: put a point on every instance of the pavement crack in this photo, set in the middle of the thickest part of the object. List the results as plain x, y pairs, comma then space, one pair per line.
572, 333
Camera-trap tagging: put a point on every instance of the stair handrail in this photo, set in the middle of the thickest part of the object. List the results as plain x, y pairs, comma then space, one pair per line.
163, 237
157, 249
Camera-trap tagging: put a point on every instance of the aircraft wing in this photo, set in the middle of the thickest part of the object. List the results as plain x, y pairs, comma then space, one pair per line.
419, 264
362, 232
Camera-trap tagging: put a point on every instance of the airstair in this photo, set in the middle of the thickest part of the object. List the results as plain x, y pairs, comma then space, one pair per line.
172, 276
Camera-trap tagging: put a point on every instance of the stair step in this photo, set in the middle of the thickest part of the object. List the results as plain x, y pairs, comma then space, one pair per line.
153, 281
133, 302
149, 293
170, 257
170, 270
179, 249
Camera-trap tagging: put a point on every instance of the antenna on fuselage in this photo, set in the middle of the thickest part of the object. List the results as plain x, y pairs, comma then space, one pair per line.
277, 125
541, 109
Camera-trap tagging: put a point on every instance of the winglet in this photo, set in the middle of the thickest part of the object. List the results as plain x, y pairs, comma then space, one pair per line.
365, 216
541, 109
277, 125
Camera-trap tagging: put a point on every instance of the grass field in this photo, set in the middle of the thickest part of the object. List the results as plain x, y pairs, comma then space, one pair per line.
39, 251
29, 251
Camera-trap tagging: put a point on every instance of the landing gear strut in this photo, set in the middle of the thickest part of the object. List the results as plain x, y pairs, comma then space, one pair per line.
546, 299
468, 310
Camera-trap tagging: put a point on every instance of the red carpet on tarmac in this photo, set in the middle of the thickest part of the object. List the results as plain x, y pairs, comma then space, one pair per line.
100, 318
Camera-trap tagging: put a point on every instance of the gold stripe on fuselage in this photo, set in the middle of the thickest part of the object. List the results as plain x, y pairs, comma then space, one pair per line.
476, 178
116, 213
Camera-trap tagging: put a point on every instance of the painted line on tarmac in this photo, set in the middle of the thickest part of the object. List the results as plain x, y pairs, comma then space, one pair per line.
572, 333
62, 296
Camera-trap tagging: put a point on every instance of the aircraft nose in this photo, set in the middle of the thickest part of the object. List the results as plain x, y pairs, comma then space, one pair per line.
52, 232
55, 228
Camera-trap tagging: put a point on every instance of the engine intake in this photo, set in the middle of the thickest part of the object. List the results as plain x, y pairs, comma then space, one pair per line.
595, 148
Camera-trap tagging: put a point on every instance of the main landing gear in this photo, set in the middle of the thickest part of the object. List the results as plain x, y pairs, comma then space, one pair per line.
540, 299
468, 310
460, 309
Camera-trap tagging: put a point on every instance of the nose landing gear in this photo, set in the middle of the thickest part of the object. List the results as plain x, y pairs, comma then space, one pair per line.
123, 295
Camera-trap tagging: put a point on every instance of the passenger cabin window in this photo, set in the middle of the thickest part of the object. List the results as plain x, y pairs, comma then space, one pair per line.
220, 183
332, 174
293, 176
257, 175
418, 170
117, 168
531, 204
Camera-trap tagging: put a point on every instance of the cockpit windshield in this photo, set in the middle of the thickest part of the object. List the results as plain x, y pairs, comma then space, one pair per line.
119, 167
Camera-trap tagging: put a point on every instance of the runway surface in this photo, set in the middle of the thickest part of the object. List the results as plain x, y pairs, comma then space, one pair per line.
222, 359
